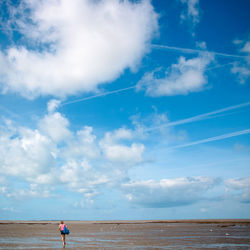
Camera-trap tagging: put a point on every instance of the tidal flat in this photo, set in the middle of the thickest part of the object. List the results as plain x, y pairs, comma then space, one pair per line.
179, 234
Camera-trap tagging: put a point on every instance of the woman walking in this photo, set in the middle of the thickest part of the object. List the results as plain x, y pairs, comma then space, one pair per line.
61, 229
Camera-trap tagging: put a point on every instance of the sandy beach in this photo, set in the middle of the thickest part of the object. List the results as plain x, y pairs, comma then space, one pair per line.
185, 234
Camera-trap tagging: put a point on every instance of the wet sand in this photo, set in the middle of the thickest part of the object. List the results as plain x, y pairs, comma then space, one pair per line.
185, 234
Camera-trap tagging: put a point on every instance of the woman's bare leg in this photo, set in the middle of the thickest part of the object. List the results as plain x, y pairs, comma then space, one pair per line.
63, 240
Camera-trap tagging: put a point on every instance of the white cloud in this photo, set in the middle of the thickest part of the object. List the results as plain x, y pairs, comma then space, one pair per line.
124, 154
192, 12
26, 154
55, 126
188, 75
242, 68
241, 185
74, 172
155, 122
242, 71
52, 155
118, 134
34, 191
73, 46
246, 47
168, 192
79, 176
53, 105
83, 145
8, 209
201, 45
116, 151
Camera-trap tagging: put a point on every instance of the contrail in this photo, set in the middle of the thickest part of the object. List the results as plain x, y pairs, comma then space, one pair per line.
199, 117
128, 88
133, 87
215, 138
99, 95
192, 51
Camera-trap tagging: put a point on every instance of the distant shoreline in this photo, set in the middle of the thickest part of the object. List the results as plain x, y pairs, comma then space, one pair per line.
203, 221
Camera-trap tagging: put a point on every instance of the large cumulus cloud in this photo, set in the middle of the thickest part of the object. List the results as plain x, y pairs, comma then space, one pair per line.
73, 46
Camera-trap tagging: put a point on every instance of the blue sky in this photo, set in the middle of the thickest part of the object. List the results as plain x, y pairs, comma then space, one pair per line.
124, 109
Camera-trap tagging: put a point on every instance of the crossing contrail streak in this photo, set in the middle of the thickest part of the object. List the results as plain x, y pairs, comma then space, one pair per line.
125, 89
215, 138
192, 51
204, 116
99, 95
185, 50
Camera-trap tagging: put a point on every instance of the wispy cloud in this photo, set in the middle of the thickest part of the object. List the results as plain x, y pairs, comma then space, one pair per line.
211, 139
242, 68
191, 13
